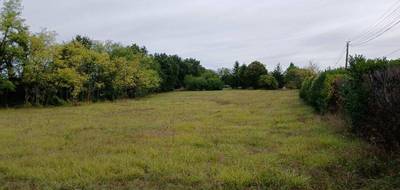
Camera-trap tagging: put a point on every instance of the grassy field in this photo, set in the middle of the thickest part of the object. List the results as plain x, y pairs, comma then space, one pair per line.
181, 140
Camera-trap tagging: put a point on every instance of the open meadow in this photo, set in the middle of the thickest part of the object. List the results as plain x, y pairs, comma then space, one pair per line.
231, 139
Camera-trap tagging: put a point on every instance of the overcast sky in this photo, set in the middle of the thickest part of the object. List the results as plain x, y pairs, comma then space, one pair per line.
220, 32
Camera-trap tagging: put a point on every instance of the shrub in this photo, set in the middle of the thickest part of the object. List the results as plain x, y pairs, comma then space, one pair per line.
268, 82
294, 77
367, 93
195, 83
207, 81
322, 90
214, 84
305, 91
371, 100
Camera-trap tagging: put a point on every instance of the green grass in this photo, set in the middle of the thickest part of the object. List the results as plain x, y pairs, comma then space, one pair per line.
181, 140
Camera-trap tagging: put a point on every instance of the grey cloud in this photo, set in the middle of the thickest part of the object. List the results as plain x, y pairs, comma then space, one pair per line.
220, 32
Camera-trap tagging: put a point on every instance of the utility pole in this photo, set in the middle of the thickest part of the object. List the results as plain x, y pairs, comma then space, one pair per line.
347, 53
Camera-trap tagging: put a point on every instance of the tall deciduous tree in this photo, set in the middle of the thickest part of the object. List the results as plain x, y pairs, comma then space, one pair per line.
38, 68
14, 38
253, 73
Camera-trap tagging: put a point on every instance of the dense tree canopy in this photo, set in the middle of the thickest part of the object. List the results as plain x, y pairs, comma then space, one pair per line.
253, 73
36, 70
14, 42
256, 76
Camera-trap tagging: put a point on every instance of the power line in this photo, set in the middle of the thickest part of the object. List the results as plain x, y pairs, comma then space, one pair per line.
377, 35
389, 20
380, 21
386, 25
342, 53
393, 52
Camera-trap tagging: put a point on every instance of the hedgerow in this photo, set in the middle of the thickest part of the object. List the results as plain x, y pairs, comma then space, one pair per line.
367, 94
371, 100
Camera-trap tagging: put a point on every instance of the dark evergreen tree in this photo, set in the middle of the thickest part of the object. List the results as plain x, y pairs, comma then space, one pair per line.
279, 76
244, 82
235, 75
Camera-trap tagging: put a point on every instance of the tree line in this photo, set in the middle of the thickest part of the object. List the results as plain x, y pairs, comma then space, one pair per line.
35, 69
256, 76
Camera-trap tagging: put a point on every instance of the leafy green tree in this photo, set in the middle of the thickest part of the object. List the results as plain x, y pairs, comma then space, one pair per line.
292, 66
37, 69
42, 72
253, 73
193, 67
195, 83
295, 76
226, 76
209, 80
85, 41
147, 81
169, 71
13, 43
268, 82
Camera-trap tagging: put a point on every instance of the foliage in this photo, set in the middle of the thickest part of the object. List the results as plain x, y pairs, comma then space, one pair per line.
6, 86
279, 76
268, 82
207, 81
14, 37
243, 76
173, 70
253, 73
371, 100
227, 77
319, 91
248, 76
235, 83
305, 90
367, 93
294, 76
36, 70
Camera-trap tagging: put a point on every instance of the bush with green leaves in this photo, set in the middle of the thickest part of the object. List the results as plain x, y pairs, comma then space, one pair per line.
294, 76
371, 100
252, 74
319, 91
207, 81
368, 95
305, 90
322, 91
195, 83
268, 82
